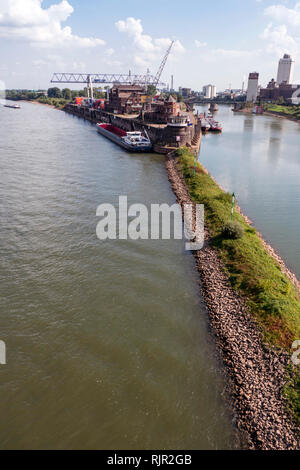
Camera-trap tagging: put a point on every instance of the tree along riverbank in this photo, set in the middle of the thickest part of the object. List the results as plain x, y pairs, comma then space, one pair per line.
53, 97
58, 103
253, 305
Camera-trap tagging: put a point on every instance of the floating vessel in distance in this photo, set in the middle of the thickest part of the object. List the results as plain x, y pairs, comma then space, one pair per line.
215, 126
132, 141
205, 126
208, 124
13, 106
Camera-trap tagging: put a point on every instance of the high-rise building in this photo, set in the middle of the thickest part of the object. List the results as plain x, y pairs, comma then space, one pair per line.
172, 83
252, 87
285, 70
209, 91
186, 92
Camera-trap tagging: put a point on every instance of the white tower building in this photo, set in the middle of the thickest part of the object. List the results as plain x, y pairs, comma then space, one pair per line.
252, 87
285, 70
209, 91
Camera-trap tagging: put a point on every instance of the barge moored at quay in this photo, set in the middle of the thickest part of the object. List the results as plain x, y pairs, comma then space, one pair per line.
165, 122
132, 141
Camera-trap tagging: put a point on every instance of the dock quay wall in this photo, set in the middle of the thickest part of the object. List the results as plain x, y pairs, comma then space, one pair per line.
160, 135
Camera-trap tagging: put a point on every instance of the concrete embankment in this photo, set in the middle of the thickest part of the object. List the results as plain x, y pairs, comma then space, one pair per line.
256, 373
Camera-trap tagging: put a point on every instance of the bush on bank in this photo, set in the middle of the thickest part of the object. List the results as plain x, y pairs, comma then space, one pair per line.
233, 230
40, 98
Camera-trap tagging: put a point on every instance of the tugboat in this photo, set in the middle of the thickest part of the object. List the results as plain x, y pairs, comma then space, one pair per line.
132, 141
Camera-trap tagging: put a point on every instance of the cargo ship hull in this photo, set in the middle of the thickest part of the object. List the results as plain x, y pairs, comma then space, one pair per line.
116, 135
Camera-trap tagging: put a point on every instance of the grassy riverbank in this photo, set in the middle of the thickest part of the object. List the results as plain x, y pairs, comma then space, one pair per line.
271, 296
291, 112
56, 102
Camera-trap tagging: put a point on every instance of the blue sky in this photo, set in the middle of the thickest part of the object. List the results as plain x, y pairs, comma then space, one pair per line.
217, 42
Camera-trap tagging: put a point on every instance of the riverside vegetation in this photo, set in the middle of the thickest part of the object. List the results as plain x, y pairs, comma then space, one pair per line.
271, 297
283, 110
58, 100
53, 97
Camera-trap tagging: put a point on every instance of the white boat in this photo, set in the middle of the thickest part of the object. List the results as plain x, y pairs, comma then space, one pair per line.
205, 126
132, 141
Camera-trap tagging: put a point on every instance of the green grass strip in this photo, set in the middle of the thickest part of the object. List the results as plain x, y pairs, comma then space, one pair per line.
272, 298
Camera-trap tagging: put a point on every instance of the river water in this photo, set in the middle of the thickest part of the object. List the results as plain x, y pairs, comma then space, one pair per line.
258, 158
107, 342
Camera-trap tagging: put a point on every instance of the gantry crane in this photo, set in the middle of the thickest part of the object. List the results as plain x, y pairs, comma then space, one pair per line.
123, 79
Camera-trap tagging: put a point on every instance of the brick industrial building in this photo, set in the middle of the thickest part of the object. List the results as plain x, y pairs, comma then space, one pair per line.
161, 110
283, 87
274, 91
125, 99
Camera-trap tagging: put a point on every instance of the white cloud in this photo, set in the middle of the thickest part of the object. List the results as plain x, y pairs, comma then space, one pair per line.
233, 53
27, 20
282, 34
109, 51
200, 44
281, 13
39, 63
131, 26
50, 61
232, 56
149, 49
112, 63
279, 40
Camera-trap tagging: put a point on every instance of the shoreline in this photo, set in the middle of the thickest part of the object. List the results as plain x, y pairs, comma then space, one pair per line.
42, 104
256, 373
272, 252
248, 111
35, 102
281, 116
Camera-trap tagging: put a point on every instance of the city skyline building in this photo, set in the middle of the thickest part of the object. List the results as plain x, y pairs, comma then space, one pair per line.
252, 91
210, 91
285, 72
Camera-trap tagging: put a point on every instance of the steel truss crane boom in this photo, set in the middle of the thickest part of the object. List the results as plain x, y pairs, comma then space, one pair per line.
162, 65
88, 78
123, 79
